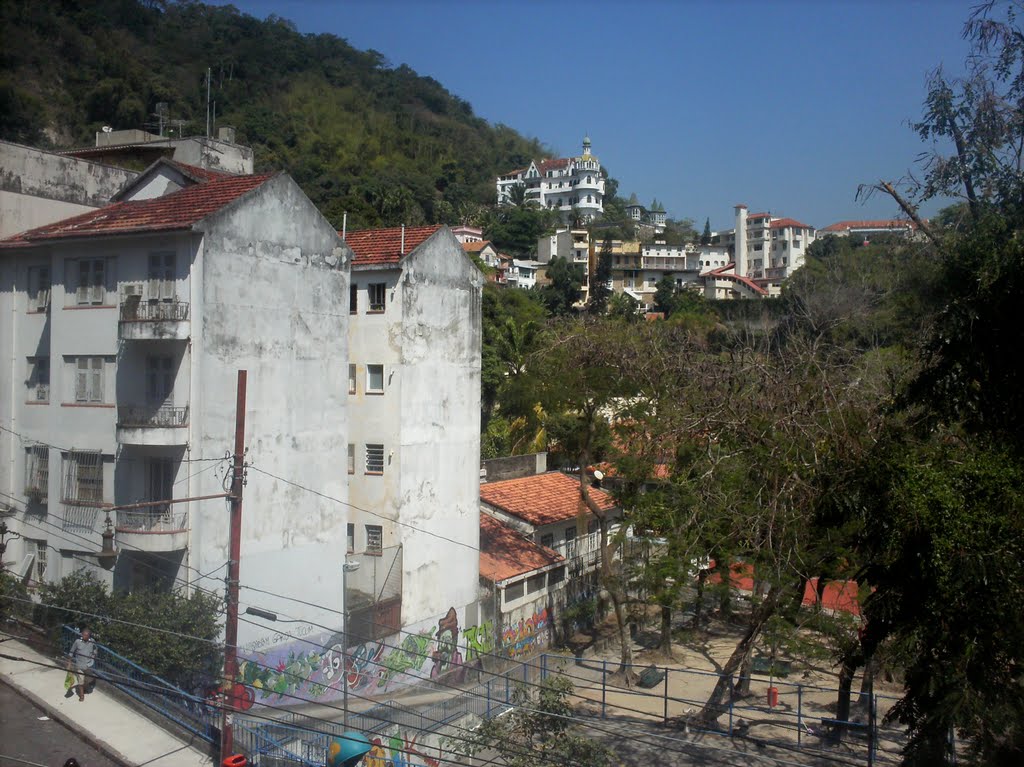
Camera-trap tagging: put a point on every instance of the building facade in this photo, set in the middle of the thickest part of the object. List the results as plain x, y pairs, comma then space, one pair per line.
414, 387
129, 324
566, 184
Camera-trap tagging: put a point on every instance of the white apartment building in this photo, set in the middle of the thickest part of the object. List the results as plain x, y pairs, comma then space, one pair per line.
765, 248
414, 445
564, 184
128, 325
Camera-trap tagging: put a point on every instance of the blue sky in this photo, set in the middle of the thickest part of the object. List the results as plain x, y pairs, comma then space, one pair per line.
785, 106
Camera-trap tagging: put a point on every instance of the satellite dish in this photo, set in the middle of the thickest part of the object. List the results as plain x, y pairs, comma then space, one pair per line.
107, 129
598, 475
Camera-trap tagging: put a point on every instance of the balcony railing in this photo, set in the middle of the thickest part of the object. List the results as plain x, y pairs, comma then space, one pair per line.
163, 417
161, 311
582, 552
154, 520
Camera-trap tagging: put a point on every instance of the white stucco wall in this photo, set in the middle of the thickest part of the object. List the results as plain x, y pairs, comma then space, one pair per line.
270, 299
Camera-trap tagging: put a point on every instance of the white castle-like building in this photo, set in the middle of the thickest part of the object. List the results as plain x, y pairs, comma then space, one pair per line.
564, 184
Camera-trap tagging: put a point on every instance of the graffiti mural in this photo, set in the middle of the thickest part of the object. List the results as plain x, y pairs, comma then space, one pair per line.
446, 656
398, 750
479, 641
526, 635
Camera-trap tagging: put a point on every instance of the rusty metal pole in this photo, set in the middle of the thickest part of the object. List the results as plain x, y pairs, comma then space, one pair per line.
234, 554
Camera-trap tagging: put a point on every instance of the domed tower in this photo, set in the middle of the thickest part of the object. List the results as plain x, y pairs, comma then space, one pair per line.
586, 146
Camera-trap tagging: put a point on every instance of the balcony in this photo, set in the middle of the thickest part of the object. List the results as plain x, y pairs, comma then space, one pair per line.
582, 554
157, 530
153, 320
142, 425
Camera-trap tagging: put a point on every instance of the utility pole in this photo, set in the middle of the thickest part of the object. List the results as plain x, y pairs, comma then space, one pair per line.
235, 552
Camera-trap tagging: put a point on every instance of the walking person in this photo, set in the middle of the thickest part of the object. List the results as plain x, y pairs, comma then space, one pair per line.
81, 659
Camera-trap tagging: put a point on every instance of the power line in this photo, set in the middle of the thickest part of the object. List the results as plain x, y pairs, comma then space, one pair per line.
587, 723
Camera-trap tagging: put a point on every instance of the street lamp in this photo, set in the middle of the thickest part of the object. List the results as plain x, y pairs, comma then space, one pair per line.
346, 568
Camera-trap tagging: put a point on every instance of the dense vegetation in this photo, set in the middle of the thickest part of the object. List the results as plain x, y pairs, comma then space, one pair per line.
359, 135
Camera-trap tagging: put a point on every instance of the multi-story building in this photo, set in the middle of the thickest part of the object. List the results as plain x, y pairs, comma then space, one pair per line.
573, 245
127, 325
565, 184
653, 217
414, 391
765, 248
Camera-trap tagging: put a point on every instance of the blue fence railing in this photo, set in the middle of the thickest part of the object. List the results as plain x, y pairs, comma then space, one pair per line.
188, 711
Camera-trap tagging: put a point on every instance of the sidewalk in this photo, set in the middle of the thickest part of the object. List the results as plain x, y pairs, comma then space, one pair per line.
115, 729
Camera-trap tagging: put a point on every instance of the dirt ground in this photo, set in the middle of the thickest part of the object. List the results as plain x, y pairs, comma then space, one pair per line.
790, 718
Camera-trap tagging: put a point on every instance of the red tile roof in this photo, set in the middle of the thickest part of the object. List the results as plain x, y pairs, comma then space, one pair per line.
752, 216
720, 273
195, 172
545, 165
384, 246
178, 210
543, 498
475, 247
890, 223
783, 223
506, 553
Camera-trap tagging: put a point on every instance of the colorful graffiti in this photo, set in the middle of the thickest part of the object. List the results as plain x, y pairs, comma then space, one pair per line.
446, 656
526, 636
479, 641
398, 751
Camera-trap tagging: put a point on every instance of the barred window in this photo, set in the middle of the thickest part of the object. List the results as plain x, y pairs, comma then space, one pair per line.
374, 539
83, 477
375, 459
39, 379
37, 471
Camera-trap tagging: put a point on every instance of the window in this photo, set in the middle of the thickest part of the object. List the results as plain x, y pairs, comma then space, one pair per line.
513, 592
570, 541
351, 379
89, 379
159, 381
374, 379
353, 298
39, 549
39, 379
37, 472
547, 540
159, 483
374, 459
536, 583
556, 576
374, 539
351, 458
38, 288
375, 292
83, 477
350, 536
161, 276
92, 282
593, 526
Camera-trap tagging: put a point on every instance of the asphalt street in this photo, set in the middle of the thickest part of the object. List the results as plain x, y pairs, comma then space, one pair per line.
25, 739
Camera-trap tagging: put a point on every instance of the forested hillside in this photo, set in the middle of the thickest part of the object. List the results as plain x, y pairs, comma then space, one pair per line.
359, 135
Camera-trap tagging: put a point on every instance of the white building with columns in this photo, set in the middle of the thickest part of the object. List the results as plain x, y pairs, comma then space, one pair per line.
562, 184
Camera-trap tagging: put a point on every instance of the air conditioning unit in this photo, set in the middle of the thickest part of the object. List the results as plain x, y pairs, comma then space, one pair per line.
132, 289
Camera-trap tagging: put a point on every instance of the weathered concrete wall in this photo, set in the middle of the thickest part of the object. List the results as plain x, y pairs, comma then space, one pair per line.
439, 450
38, 188
268, 290
215, 155
513, 467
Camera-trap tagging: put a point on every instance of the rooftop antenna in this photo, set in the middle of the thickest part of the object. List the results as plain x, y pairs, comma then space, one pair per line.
161, 116
402, 251
344, 225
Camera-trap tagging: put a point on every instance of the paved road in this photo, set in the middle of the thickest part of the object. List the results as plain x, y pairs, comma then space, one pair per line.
25, 740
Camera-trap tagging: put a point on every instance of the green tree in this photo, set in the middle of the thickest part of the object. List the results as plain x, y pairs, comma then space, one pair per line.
705, 237
565, 281
665, 296
599, 291
538, 731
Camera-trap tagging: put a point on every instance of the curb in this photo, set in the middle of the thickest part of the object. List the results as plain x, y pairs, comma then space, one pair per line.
101, 746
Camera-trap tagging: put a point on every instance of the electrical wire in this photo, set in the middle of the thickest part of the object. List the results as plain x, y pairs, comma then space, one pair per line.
585, 722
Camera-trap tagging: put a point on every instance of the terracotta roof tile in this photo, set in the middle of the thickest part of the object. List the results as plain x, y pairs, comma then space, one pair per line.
783, 223
545, 165
889, 223
506, 553
196, 173
384, 246
178, 210
541, 499
475, 247
720, 273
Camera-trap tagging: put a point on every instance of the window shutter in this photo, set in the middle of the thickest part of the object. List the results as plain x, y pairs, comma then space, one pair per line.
99, 285
168, 287
82, 379
154, 277
96, 390
82, 289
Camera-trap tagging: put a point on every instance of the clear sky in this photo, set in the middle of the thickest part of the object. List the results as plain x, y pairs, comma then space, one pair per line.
785, 106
